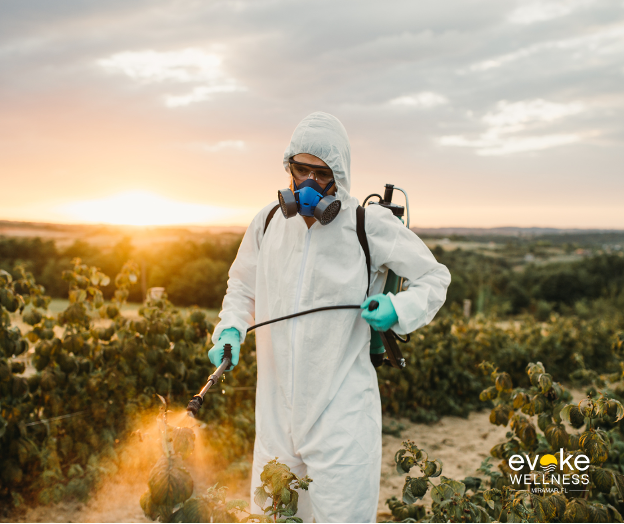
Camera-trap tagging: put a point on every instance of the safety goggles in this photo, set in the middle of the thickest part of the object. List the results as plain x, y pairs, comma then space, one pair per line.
301, 172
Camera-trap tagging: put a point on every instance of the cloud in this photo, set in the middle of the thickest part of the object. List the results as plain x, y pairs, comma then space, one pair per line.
608, 41
199, 94
516, 116
188, 65
238, 145
425, 99
532, 12
185, 66
494, 145
509, 119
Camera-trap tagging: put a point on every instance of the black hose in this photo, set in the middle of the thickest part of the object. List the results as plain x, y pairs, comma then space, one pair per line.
404, 340
374, 194
326, 308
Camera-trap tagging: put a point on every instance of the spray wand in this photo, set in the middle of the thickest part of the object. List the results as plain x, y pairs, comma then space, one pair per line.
196, 402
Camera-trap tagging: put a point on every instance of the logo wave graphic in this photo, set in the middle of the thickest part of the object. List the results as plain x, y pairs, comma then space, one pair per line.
548, 463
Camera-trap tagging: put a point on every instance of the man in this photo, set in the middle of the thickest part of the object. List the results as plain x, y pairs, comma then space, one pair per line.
317, 403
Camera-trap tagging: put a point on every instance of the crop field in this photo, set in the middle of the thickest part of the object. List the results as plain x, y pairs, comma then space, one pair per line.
94, 382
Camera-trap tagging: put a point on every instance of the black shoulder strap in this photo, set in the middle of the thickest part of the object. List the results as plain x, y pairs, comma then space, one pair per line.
269, 217
361, 233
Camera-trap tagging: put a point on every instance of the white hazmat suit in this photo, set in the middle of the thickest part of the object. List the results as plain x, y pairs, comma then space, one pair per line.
317, 402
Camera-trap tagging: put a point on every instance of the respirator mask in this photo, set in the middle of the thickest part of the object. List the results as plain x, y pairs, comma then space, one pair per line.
309, 199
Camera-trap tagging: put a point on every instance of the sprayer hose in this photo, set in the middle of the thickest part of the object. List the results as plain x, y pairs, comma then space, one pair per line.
326, 308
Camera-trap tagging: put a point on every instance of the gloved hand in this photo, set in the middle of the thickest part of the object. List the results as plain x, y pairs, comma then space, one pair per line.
382, 318
228, 336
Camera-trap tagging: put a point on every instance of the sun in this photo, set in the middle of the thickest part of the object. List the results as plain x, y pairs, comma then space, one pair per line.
142, 208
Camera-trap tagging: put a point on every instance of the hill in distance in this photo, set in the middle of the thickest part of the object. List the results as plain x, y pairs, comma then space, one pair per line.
107, 235
508, 231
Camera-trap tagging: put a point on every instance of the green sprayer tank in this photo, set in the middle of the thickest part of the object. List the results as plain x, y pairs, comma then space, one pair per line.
393, 281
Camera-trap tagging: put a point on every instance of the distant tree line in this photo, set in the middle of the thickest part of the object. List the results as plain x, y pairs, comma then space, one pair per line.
191, 272
527, 243
195, 272
498, 284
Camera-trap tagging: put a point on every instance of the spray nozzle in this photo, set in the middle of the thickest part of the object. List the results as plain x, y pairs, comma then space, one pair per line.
193, 406
373, 305
196, 402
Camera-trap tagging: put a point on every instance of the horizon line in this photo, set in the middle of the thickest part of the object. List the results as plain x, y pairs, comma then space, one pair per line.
8, 222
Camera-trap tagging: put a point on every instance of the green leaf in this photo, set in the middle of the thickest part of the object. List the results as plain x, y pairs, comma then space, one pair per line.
565, 413
438, 470
398, 456
194, 510
75, 470
169, 482
619, 484
419, 487
408, 496
559, 502
488, 394
545, 382
260, 496
445, 490
614, 514
615, 409
576, 511
253, 517
587, 407
405, 465
437, 494
458, 487
503, 382
183, 441
602, 479
237, 504
472, 483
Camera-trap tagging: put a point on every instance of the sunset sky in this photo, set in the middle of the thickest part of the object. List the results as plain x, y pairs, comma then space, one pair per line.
488, 113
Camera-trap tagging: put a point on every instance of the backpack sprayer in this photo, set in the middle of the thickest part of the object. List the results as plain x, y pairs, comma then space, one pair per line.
379, 340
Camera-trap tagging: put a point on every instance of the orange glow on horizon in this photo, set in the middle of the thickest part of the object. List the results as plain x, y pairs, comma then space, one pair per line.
143, 208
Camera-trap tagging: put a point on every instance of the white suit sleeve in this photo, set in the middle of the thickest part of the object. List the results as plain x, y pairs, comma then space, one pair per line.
401, 250
238, 309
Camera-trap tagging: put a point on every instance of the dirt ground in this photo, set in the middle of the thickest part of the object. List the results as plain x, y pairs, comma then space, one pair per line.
460, 444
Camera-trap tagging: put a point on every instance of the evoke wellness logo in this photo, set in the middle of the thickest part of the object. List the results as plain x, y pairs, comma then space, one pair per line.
560, 473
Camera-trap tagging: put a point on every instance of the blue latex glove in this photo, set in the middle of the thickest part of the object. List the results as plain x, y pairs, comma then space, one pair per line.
228, 336
382, 318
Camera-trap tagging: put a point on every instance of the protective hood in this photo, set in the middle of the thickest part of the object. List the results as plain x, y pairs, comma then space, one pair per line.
322, 135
